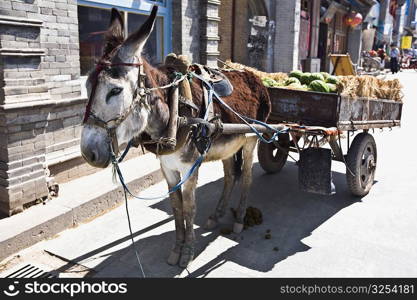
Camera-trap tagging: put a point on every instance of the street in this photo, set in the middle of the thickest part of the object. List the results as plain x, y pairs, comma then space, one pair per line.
311, 235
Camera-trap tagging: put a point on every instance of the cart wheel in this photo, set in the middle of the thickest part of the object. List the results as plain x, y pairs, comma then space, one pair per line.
271, 158
361, 161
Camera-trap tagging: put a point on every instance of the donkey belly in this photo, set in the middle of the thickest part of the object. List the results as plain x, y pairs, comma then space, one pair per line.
223, 148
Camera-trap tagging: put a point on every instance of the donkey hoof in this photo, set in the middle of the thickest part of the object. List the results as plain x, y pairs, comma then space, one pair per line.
185, 260
173, 258
211, 224
237, 227
187, 256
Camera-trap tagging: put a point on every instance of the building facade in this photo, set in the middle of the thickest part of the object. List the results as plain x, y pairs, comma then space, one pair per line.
47, 48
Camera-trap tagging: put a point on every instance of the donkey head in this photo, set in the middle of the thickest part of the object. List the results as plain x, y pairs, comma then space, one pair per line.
112, 87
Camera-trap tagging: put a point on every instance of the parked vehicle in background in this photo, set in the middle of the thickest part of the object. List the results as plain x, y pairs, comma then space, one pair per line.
409, 59
370, 62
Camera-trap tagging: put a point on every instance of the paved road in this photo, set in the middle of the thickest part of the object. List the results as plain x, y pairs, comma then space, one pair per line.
312, 236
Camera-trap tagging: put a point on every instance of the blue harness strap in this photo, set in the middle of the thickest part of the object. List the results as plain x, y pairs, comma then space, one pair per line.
245, 119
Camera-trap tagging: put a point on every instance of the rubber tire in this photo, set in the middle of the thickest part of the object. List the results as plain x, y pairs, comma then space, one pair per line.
268, 162
354, 161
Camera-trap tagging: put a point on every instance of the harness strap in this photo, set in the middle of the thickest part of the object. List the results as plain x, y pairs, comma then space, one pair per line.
100, 67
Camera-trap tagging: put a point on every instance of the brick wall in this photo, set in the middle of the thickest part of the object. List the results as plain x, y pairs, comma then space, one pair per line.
59, 37
186, 22
40, 107
195, 30
287, 35
210, 32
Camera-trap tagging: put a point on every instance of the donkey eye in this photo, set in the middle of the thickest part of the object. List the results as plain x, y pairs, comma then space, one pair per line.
116, 91
113, 92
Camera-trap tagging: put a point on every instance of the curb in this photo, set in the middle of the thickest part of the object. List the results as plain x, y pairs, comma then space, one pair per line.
81, 201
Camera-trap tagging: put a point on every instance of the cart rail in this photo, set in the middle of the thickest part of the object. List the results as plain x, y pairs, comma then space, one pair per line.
333, 110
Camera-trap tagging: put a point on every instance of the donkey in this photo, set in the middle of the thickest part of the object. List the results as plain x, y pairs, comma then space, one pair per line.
113, 90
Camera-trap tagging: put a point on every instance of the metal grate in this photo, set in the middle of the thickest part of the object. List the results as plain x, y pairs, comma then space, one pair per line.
30, 271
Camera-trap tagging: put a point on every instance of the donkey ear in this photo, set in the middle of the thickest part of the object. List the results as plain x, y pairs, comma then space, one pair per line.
115, 35
137, 40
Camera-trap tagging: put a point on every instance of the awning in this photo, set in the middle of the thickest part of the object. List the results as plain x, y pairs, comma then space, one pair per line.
331, 11
363, 6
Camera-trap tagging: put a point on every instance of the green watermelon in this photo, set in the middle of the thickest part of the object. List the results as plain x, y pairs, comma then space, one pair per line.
332, 79
325, 75
268, 82
332, 87
305, 78
296, 74
316, 76
292, 80
319, 86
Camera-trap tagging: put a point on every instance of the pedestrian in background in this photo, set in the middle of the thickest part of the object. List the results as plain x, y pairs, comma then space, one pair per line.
381, 55
395, 56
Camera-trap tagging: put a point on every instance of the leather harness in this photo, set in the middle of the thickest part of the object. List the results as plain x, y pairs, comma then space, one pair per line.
139, 99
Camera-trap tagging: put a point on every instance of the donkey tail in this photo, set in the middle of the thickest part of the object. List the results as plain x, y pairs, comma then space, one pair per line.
264, 104
238, 162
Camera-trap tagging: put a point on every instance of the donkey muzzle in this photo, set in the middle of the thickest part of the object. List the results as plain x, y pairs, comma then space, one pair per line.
95, 147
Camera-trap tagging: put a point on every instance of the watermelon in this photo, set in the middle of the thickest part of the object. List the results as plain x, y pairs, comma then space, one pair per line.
296, 74
295, 86
332, 79
325, 75
305, 78
292, 80
268, 82
316, 76
319, 86
332, 87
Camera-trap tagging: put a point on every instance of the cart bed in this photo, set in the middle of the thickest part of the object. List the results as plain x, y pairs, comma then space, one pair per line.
332, 110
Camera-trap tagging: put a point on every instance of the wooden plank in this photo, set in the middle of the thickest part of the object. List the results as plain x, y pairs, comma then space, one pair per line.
307, 108
375, 110
331, 110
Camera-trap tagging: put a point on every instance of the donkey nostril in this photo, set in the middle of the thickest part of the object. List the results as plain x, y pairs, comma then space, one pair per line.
93, 157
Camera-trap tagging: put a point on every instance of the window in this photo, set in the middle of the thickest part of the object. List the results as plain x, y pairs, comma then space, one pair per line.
93, 23
153, 51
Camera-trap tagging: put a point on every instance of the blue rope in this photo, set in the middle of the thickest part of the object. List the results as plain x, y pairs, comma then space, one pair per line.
187, 176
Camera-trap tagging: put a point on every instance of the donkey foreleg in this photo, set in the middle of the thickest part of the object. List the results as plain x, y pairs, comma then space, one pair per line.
172, 178
189, 209
229, 182
246, 182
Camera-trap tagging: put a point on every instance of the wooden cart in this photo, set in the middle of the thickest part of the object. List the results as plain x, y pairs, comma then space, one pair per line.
320, 119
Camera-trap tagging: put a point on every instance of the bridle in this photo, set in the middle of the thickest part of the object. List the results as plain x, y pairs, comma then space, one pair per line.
139, 98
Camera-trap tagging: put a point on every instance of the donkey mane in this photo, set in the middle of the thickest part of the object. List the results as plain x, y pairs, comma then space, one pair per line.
241, 80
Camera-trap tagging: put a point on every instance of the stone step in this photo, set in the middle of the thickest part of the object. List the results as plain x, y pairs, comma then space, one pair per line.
79, 201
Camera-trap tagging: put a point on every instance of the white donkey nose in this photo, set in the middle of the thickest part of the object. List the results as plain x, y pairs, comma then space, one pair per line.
95, 148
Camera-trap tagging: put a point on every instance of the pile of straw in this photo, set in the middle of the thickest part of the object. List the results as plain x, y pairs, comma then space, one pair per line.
370, 87
350, 86
275, 76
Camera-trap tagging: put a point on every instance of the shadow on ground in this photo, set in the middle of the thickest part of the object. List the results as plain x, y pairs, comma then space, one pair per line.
289, 214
